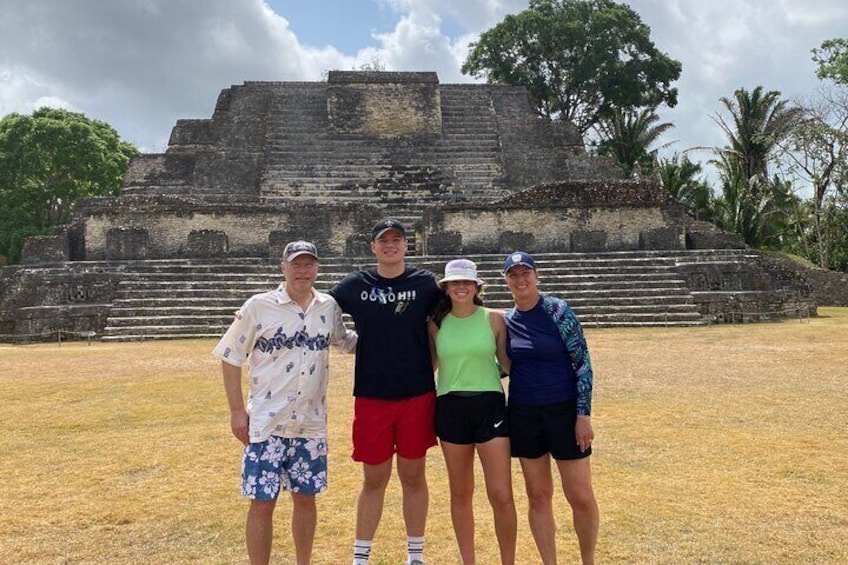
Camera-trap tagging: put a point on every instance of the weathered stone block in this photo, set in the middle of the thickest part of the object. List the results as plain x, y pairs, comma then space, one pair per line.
208, 243
713, 240
673, 237
357, 245
588, 241
127, 243
45, 249
512, 240
444, 243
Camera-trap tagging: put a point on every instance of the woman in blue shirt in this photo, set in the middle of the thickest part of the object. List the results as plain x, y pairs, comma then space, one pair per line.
550, 405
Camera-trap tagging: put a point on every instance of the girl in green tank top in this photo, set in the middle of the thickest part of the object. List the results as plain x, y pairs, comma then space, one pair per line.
466, 339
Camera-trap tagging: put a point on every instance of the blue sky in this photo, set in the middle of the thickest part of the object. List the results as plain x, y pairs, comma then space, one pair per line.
349, 28
142, 65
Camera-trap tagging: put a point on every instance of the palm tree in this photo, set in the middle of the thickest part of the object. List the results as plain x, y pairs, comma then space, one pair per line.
754, 204
758, 122
627, 135
680, 177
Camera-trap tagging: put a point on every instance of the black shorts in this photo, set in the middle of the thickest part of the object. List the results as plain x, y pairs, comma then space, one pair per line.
537, 430
471, 418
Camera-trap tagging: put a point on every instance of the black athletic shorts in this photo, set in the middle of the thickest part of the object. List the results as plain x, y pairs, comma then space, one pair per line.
466, 418
537, 430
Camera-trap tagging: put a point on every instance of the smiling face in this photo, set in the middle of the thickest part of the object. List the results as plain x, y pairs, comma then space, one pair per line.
300, 274
461, 292
522, 282
390, 248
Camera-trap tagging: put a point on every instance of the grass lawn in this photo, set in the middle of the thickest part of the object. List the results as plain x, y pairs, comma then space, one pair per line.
723, 444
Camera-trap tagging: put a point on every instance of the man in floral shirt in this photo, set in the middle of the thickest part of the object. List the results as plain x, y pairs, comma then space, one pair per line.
284, 335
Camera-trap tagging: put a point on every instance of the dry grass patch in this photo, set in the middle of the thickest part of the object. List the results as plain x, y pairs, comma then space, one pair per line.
715, 445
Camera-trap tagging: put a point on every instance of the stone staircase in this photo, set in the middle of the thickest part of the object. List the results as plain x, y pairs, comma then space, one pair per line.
309, 162
196, 299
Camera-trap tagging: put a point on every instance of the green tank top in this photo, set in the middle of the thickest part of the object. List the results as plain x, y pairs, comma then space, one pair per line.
466, 351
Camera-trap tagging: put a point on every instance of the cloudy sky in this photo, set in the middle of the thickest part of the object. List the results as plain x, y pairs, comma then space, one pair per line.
142, 64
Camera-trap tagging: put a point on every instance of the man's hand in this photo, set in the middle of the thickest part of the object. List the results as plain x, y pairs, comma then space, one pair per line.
239, 421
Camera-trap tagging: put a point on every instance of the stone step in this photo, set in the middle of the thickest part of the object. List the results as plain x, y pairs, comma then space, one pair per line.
329, 268
234, 297
191, 298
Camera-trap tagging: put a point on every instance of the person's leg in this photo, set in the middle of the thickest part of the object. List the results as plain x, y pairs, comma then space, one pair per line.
369, 507
576, 478
304, 518
540, 490
497, 471
259, 531
415, 433
373, 446
416, 497
459, 460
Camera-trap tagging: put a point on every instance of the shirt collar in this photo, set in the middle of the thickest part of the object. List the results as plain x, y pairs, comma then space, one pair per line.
283, 297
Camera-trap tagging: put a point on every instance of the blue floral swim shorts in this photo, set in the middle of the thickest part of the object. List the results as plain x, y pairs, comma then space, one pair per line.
288, 464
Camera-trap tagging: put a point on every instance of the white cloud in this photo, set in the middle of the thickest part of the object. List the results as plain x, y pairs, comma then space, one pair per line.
144, 64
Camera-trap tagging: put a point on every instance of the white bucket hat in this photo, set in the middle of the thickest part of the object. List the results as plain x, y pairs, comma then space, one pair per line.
460, 270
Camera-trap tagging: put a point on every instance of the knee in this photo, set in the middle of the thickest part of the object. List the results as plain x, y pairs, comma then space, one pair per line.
539, 496
303, 502
413, 477
462, 496
262, 508
501, 499
582, 500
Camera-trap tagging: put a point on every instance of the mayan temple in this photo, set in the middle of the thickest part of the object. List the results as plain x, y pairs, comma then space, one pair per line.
472, 169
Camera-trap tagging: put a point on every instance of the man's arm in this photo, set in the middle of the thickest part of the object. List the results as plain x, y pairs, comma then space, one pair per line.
341, 337
239, 419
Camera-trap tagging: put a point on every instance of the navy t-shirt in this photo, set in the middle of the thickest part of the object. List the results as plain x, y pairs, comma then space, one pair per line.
541, 370
393, 350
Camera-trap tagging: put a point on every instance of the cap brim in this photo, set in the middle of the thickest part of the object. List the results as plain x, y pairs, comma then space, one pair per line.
520, 263
297, 254
384, 230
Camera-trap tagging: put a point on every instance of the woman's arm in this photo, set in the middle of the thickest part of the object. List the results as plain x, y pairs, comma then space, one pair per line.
432, 330
496, 319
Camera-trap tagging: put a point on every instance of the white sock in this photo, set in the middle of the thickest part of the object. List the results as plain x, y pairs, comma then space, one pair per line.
414, 549
361, 551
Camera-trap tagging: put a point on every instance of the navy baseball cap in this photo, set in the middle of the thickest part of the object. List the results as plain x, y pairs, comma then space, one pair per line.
518, 258
385, 225
295, 249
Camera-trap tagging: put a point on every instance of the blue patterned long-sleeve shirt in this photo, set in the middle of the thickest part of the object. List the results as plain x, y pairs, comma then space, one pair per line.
550, 358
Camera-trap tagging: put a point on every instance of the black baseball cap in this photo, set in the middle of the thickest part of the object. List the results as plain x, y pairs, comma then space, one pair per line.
385, 225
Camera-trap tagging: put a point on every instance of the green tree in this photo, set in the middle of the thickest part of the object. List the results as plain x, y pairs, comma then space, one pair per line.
756, 208
817, 156
753, 203
832, 60
49, 160
627, 136
683, 179
579, 59
758, 122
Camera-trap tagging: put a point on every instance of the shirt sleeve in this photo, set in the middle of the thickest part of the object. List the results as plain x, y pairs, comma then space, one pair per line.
237, 342
575, 342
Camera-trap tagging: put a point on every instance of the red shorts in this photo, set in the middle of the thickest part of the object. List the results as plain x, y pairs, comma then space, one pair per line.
382, 428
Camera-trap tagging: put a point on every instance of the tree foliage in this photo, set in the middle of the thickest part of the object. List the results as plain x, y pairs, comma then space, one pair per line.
627, 136
682, 179
817, 156
753, 203
579, 59
758, 122
49, 160
832, 60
